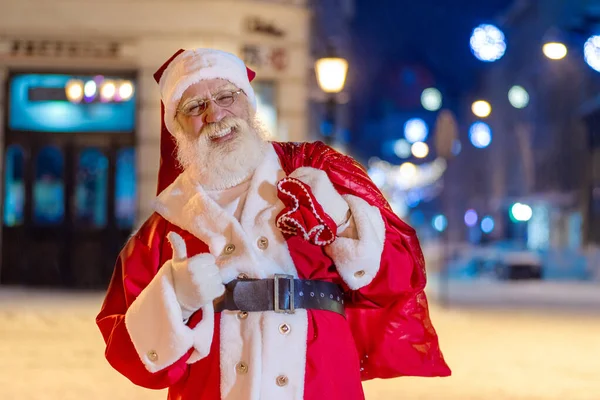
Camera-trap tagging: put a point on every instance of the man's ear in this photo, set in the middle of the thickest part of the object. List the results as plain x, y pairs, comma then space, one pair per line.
251, 111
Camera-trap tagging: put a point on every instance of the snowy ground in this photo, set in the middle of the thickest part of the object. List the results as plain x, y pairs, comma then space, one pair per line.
51, 350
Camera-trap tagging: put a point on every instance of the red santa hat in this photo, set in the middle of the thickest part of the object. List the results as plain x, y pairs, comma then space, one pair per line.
179, 72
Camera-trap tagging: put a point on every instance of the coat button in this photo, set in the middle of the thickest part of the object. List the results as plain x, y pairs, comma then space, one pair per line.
262, 243
281, 380
284, 329
242, 315
241, 367
242, 276
230, 248
152, 355
359, 274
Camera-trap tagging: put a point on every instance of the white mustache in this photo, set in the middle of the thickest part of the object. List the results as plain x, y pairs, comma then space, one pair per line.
215, 128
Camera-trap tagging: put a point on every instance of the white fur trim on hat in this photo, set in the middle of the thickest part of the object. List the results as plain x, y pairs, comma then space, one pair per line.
193, 66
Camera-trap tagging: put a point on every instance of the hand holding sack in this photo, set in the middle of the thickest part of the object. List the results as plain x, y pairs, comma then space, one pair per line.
313, 208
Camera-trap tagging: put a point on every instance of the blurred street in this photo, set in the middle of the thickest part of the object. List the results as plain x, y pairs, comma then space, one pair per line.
51, 350
535, 295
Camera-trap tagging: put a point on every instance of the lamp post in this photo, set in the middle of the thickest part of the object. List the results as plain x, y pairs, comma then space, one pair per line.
331, 75
446, 135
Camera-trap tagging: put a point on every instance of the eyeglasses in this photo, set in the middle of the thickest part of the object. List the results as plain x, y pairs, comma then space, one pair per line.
198, 107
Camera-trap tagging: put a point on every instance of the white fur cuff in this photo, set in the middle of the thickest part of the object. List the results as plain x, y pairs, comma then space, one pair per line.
203, 334
155, 325
358, 260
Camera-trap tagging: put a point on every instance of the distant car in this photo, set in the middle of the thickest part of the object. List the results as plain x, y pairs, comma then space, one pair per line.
494, 264
518, 265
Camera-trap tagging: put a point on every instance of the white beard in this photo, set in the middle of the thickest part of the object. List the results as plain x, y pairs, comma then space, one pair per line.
218, 166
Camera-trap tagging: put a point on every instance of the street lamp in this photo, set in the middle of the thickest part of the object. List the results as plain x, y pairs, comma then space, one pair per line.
331, 75
446, 137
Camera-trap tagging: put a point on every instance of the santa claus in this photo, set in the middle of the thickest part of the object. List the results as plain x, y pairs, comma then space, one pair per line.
268, 270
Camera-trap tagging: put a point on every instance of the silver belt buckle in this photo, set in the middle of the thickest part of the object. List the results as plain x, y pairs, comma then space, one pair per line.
276, 307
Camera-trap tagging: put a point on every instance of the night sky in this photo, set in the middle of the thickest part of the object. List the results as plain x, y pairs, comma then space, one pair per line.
401, 47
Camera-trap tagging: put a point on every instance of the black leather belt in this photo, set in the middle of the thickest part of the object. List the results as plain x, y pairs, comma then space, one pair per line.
283, 294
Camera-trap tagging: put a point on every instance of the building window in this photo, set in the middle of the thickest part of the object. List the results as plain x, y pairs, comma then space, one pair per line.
14, 186
125, 191
91, 185
48, 188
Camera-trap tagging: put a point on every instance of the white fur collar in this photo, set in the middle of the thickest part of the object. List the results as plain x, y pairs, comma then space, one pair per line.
188, 206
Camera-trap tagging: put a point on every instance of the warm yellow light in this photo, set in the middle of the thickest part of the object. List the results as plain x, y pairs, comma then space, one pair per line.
481, 108
420, 149
554, 50
74, 90
108, 90
125, 90
331, 74
408, 170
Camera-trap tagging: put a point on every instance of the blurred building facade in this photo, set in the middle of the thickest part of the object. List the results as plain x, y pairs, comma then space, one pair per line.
544, 155
126, 42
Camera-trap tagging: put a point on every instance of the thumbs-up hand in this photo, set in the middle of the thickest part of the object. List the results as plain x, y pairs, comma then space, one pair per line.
197, 280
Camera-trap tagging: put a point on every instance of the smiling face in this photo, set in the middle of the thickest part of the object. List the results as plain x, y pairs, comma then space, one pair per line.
220, 140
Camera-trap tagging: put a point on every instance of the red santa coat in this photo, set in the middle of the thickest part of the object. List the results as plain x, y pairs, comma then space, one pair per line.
387, 331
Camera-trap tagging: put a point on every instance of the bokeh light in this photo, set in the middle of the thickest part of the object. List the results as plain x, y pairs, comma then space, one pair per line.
488, 43
471, 218
591, 52
415, 130
431, 99
480, 135
439, 223
521, 212
420, 150
518, 97
487, 224
402, 148
481, 108
554, 50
